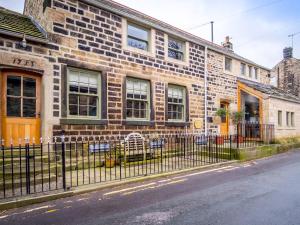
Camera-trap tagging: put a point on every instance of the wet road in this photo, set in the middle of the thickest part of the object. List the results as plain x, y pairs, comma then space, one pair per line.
262, 192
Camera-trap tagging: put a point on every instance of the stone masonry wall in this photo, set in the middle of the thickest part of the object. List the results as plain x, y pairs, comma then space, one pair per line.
287, 73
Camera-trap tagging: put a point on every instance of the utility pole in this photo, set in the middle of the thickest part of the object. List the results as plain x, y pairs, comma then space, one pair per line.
212, 31
292, 37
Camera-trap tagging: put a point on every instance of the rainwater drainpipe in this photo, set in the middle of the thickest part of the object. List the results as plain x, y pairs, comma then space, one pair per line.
205, 92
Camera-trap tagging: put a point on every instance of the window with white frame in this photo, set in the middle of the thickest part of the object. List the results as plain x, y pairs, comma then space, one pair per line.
176, 49
137, 99
243, 69
228, 64
83, 93
138, 37
255, 73
250, 71
176, 103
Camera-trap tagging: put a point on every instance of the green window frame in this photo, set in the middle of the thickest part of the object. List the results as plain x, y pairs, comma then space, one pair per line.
137, 99
176, 103
83, 94
176, 49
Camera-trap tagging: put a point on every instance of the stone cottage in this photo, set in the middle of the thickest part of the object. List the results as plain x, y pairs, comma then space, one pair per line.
96, 67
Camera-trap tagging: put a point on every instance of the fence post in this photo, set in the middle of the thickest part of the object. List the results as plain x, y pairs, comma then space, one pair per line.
237, 136
63, 156
230, 147
27, 155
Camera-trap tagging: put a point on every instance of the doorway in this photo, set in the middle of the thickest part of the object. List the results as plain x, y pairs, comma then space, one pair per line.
20, 108
224, 119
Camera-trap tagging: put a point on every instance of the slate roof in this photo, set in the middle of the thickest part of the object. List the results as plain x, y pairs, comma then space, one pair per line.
269, 90
135, 15
16, 24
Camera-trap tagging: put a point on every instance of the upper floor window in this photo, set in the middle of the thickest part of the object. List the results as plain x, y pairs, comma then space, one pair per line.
175, 49
256, 73
228, 64
279, 118
83, 93
137, 99
243, 69
250, 71
176, 103
138, 37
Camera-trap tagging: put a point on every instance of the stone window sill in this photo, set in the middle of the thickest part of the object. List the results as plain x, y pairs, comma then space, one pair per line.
177, 124
67, 121
138, 123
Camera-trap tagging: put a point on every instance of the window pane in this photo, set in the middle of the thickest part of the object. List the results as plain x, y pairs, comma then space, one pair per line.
228, 63
175, 54
93, 101
92, 111
177, 45
13, 107
137, 32
84, 88
73, 110
137, 44
83, 100
73, 99
83, 110
93, 89
73, 87
29, 107
29, 87
14, 86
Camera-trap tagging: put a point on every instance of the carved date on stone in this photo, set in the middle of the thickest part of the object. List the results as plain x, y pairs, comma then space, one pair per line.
23, 62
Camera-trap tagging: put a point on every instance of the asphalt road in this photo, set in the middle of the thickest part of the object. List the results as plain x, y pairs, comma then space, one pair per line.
263, 192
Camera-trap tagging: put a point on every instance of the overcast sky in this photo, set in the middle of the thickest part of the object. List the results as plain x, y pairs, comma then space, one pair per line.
259, 28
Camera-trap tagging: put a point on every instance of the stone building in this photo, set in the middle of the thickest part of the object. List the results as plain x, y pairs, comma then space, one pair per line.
101, 68
286, 73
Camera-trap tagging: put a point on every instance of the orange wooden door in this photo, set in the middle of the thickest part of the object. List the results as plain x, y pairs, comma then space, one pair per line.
20, 108
224, 120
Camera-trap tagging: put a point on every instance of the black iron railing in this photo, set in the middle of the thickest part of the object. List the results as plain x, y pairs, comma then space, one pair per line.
67, 162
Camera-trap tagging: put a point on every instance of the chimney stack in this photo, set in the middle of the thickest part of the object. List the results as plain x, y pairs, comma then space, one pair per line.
227, 44
288, 53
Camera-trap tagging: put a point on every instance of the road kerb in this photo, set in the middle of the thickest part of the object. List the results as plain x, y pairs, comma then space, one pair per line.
97, 187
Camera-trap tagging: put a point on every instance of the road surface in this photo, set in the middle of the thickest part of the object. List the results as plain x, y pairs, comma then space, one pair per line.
262, 192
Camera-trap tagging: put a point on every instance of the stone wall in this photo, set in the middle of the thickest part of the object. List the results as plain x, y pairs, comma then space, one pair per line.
83, 36
287, 74
274, 105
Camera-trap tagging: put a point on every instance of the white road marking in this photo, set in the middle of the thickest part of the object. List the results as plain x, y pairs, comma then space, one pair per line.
39, 208
3, 217
129, 189
203, 172
154, 187
81, 199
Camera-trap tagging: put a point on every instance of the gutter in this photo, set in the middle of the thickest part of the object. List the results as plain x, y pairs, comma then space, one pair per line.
29, 38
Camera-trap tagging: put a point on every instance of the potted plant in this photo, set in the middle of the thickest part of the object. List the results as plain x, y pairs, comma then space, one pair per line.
220, 113
112, 157
237, 118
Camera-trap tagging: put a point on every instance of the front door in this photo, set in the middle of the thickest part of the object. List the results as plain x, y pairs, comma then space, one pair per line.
224, 119
20, 108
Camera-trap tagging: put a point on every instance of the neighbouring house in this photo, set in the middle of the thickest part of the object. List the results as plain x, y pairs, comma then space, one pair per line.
96, 67
286, 74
